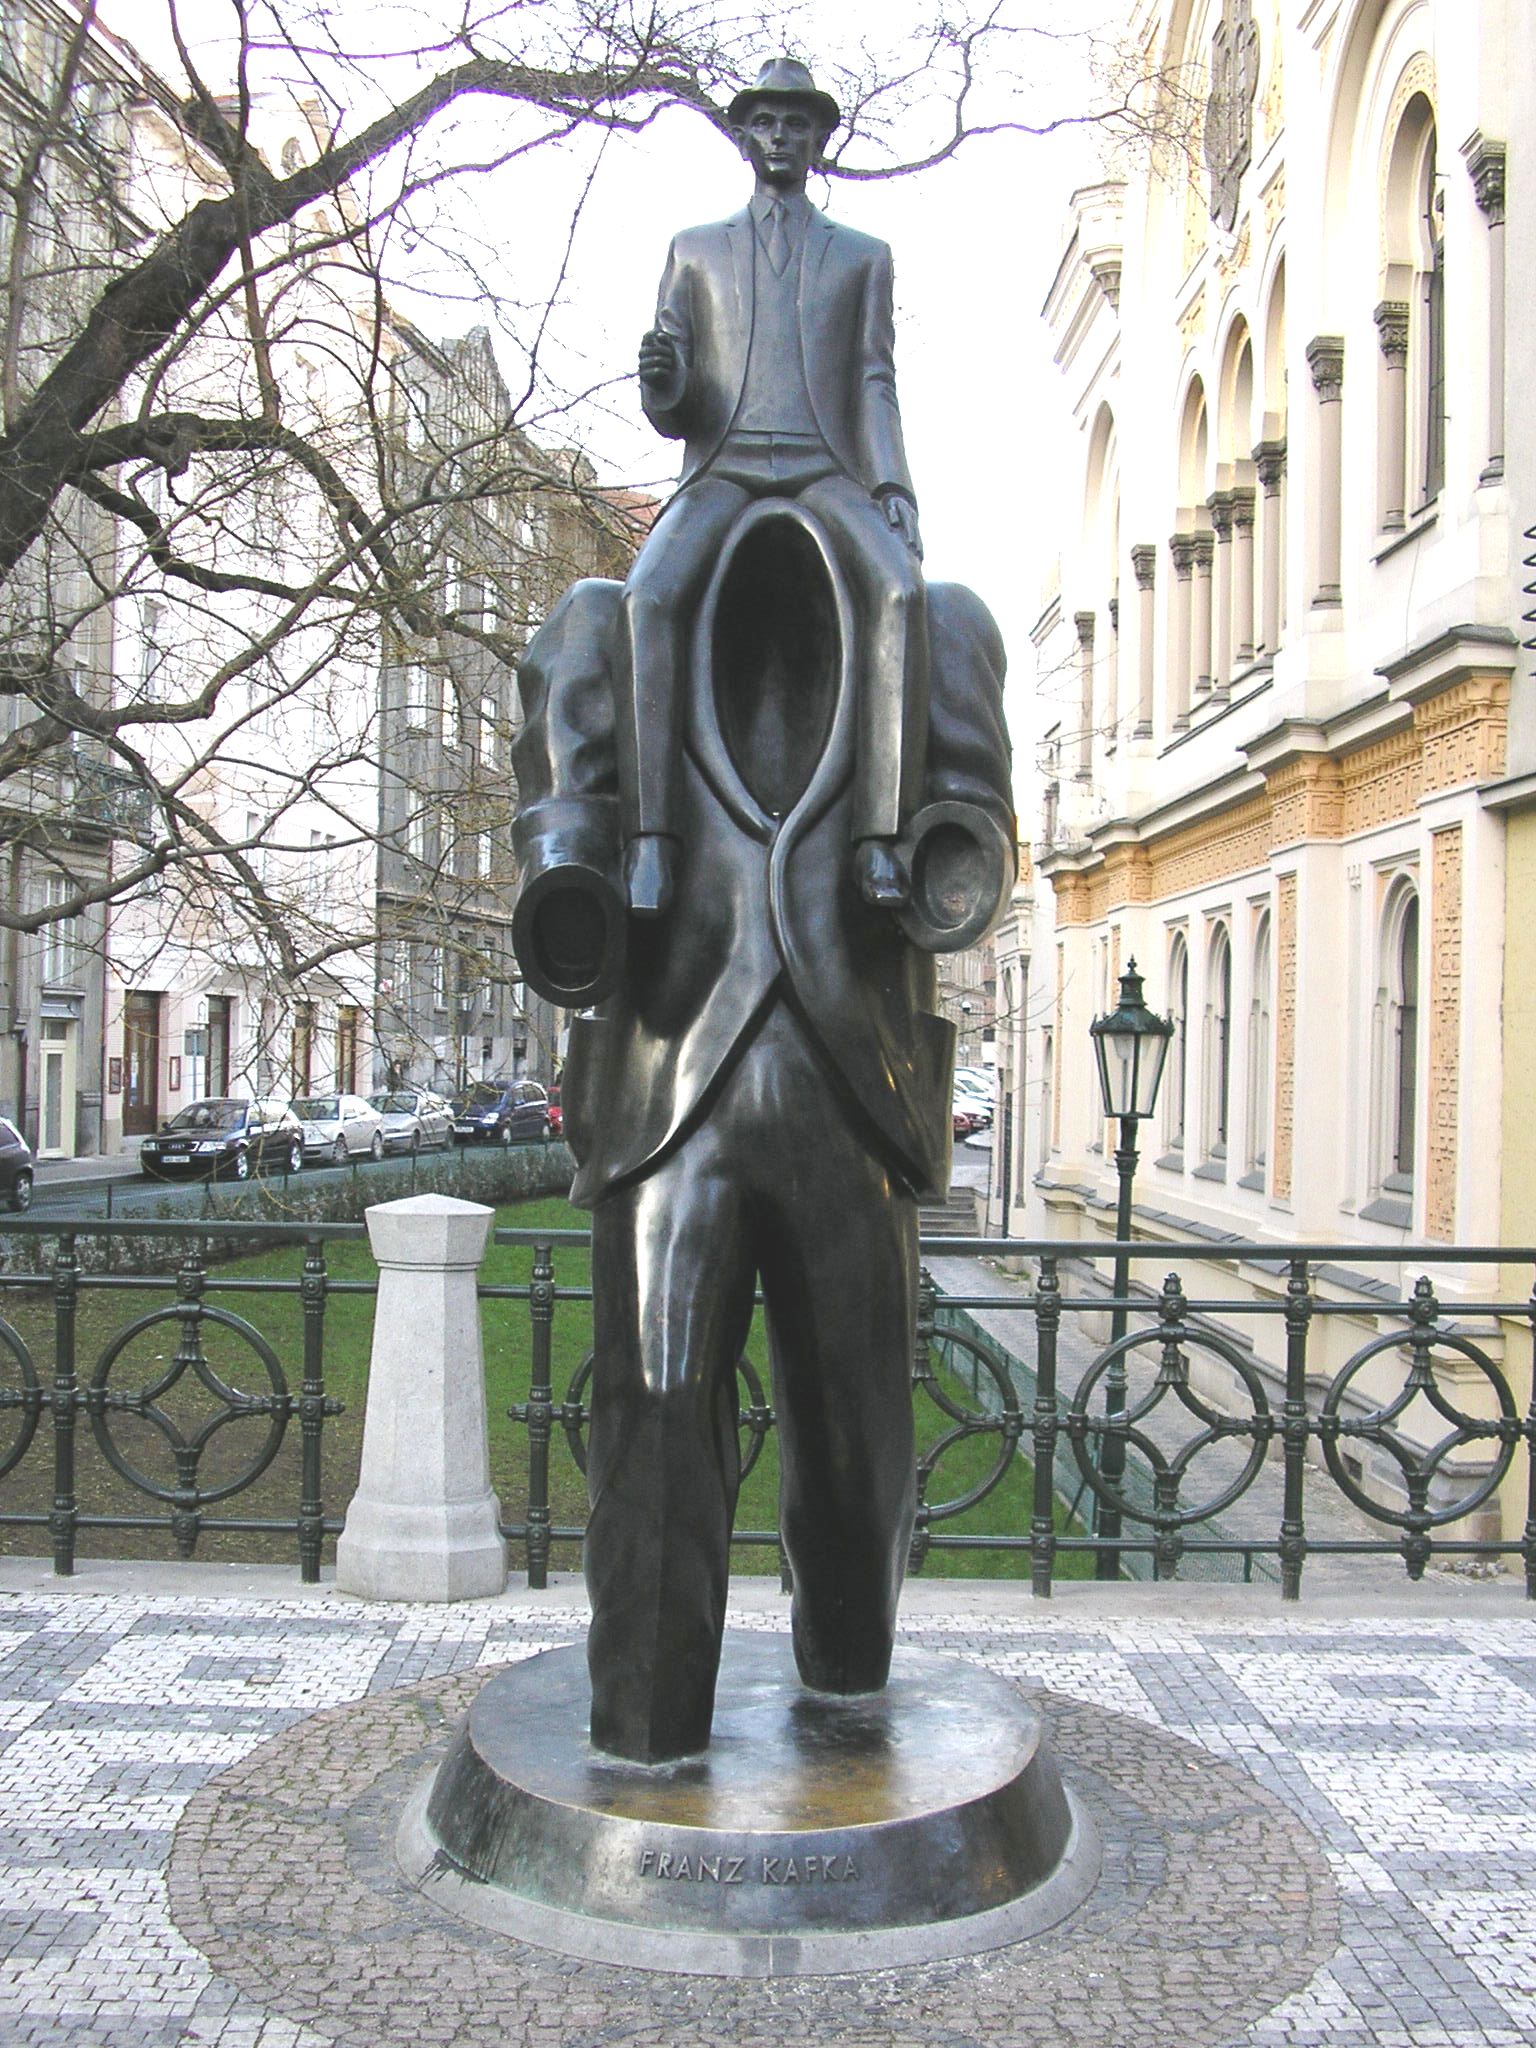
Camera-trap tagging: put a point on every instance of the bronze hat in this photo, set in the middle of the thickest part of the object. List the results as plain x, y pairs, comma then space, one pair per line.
784, 78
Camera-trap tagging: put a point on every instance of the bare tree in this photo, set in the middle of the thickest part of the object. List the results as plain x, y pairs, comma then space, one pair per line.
258, 535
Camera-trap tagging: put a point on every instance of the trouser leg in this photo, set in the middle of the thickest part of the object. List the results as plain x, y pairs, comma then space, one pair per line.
892, 672
657, 609
838, 1257
672, 1305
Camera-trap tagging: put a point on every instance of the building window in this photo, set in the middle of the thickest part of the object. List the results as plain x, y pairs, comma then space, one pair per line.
418, 695
1433, 288
1047, 1092
1178, 1010
488, 732
1218, 1042
439, 969
303, 1047
61, 939
1404, 1046
1260, 1041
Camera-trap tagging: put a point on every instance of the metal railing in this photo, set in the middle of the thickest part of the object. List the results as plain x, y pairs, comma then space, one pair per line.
1423, 1399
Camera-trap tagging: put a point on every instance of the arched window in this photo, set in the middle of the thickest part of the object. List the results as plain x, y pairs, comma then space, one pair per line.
1405, 1044
1218, 1042
1432, 288
1395, 1120
1259, 1054
1178, 1010
1411, 321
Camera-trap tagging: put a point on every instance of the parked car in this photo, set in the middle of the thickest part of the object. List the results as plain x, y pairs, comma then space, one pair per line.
501, 1112
967, 1119
222, 1134
339, 1127
413, 1119
16, 1164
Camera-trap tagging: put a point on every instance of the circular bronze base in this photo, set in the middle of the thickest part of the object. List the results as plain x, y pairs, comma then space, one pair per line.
816, 1835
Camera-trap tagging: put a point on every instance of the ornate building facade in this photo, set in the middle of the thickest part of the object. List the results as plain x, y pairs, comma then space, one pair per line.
1284, 727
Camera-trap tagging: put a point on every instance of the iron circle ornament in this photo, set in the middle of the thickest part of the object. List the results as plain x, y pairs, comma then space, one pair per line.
187, 1450
1006, 1422
29, 1398
1419, 1465
1170, 1472
754, 1413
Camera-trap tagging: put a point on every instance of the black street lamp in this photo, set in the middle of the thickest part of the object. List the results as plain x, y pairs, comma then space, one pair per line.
1131, 1046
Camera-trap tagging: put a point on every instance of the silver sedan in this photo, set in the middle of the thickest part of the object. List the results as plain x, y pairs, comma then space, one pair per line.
414, 1119
339, 1127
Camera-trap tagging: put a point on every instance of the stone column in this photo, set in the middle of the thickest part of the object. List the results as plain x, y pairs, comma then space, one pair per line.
1269, 459
1084, 624
1242, 575
1205, 557
1392, 423
1181, 547
1220, 506
1144, 563
423, 1524
1325, 359
1486, 162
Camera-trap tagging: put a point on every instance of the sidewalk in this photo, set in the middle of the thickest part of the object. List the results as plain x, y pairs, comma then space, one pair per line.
1397, 1731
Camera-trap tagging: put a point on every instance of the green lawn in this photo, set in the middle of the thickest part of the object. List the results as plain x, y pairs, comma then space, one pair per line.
103, 1313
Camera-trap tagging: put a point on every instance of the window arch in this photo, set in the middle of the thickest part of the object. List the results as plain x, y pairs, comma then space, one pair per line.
1218, 1041
1410, 319
1397, 1105
1178, 1010
1260, 1054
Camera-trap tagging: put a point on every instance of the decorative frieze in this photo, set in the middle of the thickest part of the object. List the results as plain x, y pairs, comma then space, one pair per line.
1306, 800
1444, 1034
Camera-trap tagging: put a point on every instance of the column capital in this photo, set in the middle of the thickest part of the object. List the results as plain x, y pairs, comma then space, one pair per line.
1204, 545
1486, 162
1144, 564
1325, 359
1269, 459
1244, 499
1084, 622
1113, 608
1219, 505
1391, 318
1181, 546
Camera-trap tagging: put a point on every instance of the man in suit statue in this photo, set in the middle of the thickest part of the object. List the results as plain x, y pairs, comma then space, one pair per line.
771, 360
758, 1088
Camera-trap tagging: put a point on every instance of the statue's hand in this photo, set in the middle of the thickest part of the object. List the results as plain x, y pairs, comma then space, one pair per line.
660, 360
901, 515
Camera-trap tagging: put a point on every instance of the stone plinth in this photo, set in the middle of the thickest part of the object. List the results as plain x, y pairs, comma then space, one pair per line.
423, 1524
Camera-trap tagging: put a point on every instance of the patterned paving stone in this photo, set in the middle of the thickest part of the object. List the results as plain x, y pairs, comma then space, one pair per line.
1395, 1758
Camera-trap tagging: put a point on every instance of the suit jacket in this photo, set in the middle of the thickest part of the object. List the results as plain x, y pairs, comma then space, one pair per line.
706, 305
764, 911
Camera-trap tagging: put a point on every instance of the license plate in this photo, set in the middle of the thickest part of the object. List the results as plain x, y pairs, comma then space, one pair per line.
467, 1129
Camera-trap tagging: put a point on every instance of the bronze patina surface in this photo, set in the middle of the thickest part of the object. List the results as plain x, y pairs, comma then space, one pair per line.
819, 1832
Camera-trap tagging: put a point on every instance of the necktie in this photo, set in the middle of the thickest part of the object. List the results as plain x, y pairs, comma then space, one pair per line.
777, 240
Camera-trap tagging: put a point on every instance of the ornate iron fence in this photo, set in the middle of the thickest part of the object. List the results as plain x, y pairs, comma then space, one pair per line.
1192, 1409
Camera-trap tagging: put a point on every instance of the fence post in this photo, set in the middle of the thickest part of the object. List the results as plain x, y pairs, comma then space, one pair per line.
1528, 1540
61, 1522
424, 1523
540, 1412
1295, 1429
1046, 1427
313, 1409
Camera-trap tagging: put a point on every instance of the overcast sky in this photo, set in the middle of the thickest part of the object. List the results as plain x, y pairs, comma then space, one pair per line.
976, 243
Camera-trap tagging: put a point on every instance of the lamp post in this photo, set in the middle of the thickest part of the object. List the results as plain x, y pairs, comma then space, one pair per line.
1131, 1046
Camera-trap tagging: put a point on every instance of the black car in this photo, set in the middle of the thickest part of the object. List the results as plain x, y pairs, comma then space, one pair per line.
223, 1135
502, 1112
15, 1166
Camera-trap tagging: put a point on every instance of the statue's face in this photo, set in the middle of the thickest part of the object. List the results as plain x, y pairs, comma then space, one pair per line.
781, 140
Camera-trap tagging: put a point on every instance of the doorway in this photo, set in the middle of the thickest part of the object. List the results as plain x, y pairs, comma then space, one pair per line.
56, 1090
141, 1064
218, 1045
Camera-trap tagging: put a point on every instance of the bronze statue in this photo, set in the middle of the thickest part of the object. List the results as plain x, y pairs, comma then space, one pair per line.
772, 361
761, 785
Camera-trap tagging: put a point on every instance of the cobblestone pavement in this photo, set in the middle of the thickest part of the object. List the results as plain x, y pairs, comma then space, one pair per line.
1402, 1745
